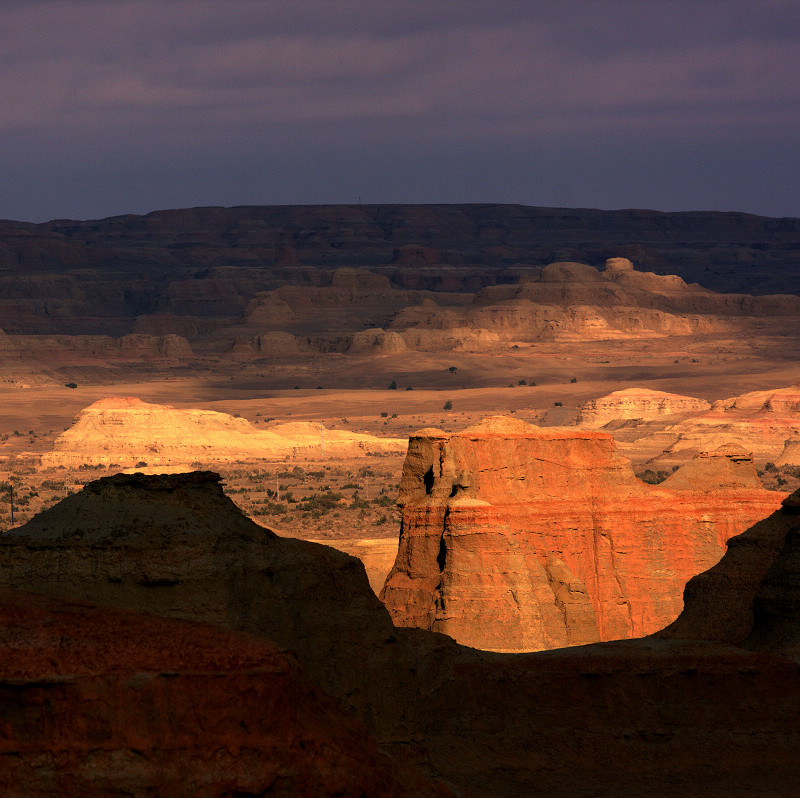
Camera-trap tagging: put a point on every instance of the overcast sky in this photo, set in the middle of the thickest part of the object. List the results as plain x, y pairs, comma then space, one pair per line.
125, 106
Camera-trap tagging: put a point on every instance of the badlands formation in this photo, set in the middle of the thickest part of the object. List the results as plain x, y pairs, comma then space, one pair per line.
636, 403
564, 301
666, 430
520, 538
129, 432
669, 717
311, 315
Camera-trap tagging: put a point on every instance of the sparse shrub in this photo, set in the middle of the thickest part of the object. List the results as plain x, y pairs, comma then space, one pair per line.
70, 384
521, 382
384, 415
392, 386
271, 508
558, 404
448, 405
574, 379
453, 369
770, 467
141, 464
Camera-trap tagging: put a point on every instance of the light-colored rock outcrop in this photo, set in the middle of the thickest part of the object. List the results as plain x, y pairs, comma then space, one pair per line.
128, 431
727, 467
760, 422
516, 537
574, 301
637, 403
790, 454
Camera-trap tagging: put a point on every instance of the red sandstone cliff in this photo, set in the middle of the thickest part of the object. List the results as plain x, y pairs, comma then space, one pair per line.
515, 537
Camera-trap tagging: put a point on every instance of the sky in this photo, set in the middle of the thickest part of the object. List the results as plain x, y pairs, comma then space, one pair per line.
130, 106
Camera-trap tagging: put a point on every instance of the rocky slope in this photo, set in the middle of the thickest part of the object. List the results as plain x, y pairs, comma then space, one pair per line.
107, 702
128, 431
361, 312
681, 717
515, 537
227, 279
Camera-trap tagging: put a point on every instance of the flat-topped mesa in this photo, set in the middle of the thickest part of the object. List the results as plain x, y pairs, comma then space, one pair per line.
515, 537
637, 403
128, 432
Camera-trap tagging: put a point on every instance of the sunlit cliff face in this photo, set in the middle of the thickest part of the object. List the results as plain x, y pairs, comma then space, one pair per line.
521, 538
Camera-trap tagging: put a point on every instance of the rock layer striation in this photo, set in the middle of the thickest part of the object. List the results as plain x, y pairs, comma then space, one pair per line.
128, 432
515, 537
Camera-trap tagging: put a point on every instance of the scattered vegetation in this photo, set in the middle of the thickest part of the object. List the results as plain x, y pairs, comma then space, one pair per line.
448, 405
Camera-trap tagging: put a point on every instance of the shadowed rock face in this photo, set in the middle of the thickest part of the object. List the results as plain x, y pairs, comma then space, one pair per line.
107, 702
751, 598
515, 537
175, 545
681, 717
190, 272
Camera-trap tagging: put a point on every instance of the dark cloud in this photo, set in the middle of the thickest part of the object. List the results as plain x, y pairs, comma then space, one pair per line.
129, 106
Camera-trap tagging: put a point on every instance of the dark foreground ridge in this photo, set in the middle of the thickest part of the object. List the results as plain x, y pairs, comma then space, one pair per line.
655, 716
